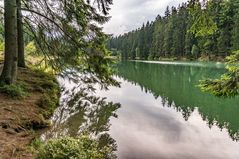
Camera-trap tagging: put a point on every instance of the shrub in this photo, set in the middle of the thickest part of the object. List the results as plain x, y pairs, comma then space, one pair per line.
71, 148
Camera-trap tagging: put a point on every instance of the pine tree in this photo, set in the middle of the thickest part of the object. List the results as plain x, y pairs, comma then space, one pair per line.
9, 72
58, 28
20, 36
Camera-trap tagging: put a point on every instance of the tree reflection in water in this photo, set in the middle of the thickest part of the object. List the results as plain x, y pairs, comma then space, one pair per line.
81, 112
176, 85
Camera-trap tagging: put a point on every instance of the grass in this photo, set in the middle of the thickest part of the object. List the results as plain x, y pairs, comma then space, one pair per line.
14, 91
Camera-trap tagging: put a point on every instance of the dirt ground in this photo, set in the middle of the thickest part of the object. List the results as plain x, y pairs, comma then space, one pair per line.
14, 137
20, 119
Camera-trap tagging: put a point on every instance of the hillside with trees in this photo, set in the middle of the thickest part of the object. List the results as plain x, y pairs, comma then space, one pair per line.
177, 34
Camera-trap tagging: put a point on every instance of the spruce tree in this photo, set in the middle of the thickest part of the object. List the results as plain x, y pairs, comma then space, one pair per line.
9, 72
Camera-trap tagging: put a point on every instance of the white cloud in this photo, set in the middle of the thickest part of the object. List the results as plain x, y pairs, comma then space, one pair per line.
131, 14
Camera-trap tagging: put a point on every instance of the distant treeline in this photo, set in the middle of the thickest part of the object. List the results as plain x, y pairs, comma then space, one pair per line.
171, 36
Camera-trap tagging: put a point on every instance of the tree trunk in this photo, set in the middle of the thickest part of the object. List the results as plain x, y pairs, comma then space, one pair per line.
9, 72
20, 38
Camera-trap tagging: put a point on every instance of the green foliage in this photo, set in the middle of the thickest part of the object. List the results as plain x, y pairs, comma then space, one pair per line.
211, 25
71, 148
208, 46
47, 103
60, 39
208, 27
203, 25
47, 84
195, 50
233, 59
151, 57
72, 40
30, 48
228, 84
2, 46
36, 144
14, 91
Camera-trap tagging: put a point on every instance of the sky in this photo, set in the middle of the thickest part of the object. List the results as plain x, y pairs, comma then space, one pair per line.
128, 15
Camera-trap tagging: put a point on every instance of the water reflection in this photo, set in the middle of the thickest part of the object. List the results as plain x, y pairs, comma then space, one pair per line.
164, 116
82, 112
176, 85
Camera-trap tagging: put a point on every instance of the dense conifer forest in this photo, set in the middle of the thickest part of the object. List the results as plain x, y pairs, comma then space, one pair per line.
173, 35
57, 63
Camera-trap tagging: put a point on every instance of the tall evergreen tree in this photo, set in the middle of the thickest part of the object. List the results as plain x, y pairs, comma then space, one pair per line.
9, 72
20, 36
59, 29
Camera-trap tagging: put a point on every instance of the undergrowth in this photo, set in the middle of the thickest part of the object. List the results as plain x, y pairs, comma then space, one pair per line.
70, 148
15, 91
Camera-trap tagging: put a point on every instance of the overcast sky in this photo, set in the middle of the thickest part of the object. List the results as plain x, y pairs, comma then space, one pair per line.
131, 14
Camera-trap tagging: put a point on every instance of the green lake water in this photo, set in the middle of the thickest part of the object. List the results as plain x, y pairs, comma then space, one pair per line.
163, 114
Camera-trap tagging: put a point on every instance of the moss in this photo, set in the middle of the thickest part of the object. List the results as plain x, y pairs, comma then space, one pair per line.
50, 89
48, 102
41, 82
47, 85
14, 91
44, 83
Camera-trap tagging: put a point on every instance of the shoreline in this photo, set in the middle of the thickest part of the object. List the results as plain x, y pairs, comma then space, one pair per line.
186, 63
23, 120
203, 58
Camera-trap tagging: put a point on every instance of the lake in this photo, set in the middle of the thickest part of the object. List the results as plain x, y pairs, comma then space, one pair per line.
163, 114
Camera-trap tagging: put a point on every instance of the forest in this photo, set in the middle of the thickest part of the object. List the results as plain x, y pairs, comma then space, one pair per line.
55, 57
177, 33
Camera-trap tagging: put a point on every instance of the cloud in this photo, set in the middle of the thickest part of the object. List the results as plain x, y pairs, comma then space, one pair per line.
131, 14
